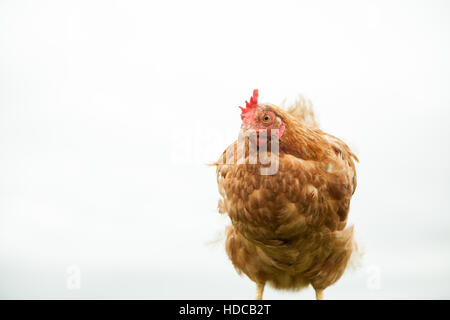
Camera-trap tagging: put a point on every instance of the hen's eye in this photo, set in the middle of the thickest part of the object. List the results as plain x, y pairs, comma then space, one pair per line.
266, 118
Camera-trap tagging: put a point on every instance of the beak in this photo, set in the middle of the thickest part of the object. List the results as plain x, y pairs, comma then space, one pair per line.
253, 135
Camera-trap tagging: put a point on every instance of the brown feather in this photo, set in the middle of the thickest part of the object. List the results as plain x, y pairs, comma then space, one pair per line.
288, 229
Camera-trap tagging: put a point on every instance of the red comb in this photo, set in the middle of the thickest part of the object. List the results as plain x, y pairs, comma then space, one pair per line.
252, 104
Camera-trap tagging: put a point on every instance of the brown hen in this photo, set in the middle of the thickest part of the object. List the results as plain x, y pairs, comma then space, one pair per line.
288, 227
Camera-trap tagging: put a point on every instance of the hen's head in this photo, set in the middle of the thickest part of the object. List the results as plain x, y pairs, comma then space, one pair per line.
261, 117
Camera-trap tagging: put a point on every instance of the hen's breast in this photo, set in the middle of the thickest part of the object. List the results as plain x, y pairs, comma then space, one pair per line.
289, 221
302, 193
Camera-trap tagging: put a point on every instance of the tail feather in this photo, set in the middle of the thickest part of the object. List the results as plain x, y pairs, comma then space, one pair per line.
303, 110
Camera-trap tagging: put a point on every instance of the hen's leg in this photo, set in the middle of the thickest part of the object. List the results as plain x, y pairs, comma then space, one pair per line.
259, 290
319, 294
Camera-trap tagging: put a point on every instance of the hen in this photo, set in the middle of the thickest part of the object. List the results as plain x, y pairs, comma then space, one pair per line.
288, 225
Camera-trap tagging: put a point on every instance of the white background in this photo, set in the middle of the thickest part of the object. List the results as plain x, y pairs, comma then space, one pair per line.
109, 111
